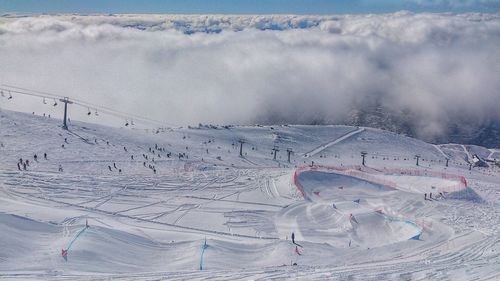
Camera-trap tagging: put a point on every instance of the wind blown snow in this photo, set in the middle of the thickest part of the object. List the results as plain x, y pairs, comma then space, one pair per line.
434, 68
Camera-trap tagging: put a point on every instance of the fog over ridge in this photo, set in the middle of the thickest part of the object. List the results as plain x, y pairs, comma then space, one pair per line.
427, 72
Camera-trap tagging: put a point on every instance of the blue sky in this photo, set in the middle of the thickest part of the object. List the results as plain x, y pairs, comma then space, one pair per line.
247, 6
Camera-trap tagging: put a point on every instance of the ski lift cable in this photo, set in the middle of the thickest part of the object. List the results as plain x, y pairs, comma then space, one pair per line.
81, 103
84, 103
33, 92
77, 101
29, 92
87, 104
117, 114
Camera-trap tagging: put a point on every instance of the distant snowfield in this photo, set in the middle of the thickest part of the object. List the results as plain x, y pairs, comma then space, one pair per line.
145, 225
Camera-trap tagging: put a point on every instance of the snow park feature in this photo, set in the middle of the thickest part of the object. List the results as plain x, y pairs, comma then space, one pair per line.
353, 218
210, 211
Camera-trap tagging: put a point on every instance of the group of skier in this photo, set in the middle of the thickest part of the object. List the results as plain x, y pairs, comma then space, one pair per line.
156, 153
23, 165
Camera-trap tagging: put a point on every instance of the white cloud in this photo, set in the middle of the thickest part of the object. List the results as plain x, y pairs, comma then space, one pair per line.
247, 69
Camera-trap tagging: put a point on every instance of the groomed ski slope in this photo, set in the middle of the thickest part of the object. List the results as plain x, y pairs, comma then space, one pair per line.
150, 226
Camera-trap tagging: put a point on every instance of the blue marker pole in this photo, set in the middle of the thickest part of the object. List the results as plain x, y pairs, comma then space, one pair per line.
203, 252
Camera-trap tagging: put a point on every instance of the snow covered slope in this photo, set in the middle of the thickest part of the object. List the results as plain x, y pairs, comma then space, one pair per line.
173, 189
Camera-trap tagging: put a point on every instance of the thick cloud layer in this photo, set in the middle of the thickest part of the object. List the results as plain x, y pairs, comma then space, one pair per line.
434, 70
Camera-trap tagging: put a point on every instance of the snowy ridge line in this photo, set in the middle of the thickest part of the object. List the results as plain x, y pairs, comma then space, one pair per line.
361, 172
337, 140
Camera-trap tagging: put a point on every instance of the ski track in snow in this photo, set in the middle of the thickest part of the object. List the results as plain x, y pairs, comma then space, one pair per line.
327, 145
146, 226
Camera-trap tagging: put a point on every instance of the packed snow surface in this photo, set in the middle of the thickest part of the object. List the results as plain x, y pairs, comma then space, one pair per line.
181, 203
